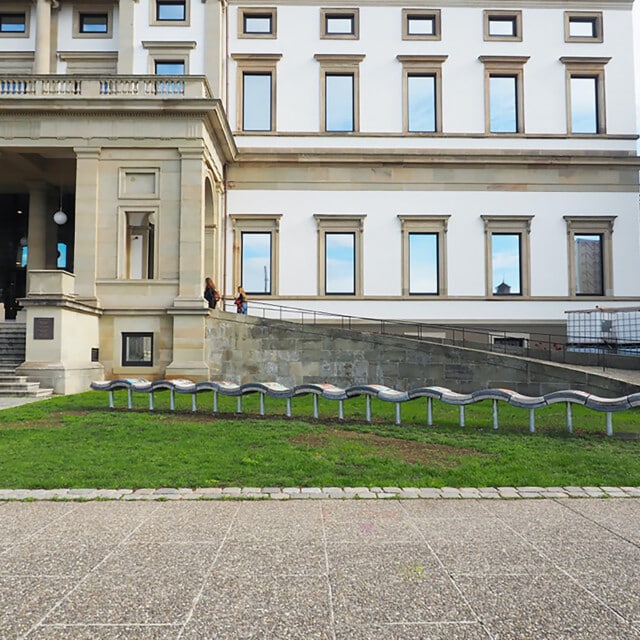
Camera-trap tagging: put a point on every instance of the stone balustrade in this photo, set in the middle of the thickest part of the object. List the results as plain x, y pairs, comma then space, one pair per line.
22, 86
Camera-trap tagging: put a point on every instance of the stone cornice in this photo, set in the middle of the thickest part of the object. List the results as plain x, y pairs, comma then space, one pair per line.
571, 5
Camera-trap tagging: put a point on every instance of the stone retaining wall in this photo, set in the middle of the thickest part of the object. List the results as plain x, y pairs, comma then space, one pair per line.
249, 349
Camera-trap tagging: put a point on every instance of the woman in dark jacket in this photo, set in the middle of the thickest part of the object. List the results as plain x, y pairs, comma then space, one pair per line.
211, 294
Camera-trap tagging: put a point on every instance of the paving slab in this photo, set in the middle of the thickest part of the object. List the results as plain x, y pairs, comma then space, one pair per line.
431, 569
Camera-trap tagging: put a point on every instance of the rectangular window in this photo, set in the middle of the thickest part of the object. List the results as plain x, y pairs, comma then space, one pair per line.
256, 91
340, 266
169, 67
503, 25
137, 349
13, 23
506, 264
507, 251
503, 104
256, 102
255, 272
584, 104
423, 264
255, 252
171, 10
257, 23
340, 263
585, 94
590, 255
587, 252
93, 23
339, 102
339, 23
582, 26
140, 246
421, 102
421, 24
424, 254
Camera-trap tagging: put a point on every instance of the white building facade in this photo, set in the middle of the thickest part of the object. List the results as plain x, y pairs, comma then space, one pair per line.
448, 162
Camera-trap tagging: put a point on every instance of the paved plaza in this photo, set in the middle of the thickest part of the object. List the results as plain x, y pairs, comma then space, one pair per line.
552, 569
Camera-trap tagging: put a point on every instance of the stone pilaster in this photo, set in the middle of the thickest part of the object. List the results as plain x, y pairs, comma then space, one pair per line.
189, 308
125, 37
43, 37
215, 54
192, 223
86, 230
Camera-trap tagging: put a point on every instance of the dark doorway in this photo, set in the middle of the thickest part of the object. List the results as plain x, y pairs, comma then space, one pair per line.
14, 223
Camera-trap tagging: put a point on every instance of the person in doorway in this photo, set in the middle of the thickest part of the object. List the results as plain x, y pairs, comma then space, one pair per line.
241, 301
211, 294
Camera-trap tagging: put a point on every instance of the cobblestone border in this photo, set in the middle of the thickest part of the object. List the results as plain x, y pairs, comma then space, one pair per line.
319, 493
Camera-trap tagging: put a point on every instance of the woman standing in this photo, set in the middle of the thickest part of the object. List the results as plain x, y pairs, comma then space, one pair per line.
211, 294
241, 301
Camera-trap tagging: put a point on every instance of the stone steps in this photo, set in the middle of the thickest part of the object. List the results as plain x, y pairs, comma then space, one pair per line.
12, 354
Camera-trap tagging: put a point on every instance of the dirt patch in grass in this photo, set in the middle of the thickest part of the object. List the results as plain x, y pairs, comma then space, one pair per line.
408, 451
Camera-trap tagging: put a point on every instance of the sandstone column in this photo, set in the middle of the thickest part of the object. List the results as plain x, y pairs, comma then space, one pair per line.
86, 230
37, 233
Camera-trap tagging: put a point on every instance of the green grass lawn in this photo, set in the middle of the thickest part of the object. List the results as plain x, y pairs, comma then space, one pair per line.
76, 441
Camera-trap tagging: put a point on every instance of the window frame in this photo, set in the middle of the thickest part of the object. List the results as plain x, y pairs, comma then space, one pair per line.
248, 12
584, 16
160, 51
434, 14
586, 67
256, 223
154, 21
514, 16
336, 223
327, 14
125, 336
257, 64
123, 258
416, 65
21, 9
98, 9
504, 66
508, 225
591, 225
332, 64
427, 224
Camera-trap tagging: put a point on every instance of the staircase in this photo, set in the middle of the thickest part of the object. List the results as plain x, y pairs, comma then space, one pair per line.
12, 352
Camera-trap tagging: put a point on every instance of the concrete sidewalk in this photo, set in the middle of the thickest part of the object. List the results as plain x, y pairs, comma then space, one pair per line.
328, 569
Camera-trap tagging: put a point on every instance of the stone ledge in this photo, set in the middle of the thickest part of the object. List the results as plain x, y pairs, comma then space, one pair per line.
320, 493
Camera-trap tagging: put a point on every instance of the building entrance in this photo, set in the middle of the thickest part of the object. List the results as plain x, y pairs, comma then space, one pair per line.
14, 217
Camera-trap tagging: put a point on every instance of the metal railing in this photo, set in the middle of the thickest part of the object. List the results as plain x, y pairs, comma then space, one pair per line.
550, 347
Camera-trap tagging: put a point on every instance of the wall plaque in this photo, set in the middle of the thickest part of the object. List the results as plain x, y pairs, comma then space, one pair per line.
43, 328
